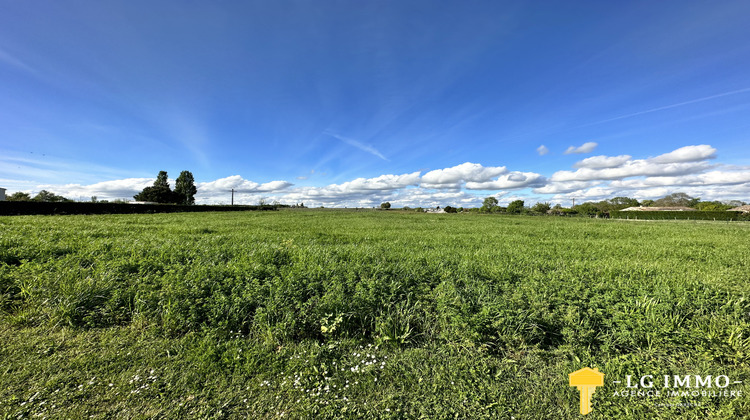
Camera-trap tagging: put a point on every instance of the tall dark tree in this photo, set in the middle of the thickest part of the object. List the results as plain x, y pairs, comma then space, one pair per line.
185, 188
159, 192
161, 180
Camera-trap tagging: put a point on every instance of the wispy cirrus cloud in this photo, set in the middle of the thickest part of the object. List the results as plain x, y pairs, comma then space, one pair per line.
676, 105
8, 58
359, 145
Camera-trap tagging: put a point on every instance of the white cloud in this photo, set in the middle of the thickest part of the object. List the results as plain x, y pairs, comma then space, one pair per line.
542, 150
599, 162
513, 180
705, 179
687, 154
564, 187
237, 183
359, 145
597, 178
381, 183
631, 169
466, 172
584, 148
6, 57
107, 190
683, 161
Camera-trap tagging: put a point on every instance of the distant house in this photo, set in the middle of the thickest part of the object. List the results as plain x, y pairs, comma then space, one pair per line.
744, 209
659, 209
2, 194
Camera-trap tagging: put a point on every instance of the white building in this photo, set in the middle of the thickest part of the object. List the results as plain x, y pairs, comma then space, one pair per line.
2, 194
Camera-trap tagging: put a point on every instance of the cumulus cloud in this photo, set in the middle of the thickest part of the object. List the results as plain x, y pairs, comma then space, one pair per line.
466, 172
513, 180
542, 150
381, 183
587, 147
631, 169
705, 179
596, 178
683, 161
564, 187
687, 154
238, 183
360, 191
599, 162
106, 190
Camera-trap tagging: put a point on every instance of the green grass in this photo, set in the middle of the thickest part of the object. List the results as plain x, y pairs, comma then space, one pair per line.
313, 314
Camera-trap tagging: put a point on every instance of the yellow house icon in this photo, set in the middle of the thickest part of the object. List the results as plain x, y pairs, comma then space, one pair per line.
586, 380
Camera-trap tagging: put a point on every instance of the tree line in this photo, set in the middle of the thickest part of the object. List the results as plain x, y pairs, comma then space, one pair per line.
159, 192
604, 207
589, 208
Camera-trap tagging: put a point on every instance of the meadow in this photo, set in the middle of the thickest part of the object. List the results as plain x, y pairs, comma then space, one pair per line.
377, 314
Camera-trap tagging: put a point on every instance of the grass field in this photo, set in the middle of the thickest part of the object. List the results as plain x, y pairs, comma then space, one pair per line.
315, 314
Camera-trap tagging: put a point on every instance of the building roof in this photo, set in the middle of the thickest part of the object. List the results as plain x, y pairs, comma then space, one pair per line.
744, 209
659, 209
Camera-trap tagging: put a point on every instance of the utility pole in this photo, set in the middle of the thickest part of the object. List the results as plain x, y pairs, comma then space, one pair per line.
574, 203
232, 196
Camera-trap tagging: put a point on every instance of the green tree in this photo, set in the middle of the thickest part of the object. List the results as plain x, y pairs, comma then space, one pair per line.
19, 196
541, 208
489, 204
619, 203
515, 207
48, 197
159, 192
162, 180
712, 206
385, 206
587, 209
679, 199
184, 188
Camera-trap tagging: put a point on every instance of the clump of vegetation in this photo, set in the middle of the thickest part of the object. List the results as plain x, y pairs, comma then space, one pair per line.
160, 192
43, 196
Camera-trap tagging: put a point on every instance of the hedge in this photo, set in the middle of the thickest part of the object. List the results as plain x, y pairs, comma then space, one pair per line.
680, 215
15, 208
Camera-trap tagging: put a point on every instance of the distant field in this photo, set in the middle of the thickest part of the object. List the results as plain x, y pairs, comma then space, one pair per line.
310, 314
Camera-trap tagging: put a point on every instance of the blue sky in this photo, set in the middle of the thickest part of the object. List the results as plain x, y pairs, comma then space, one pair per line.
351, 103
